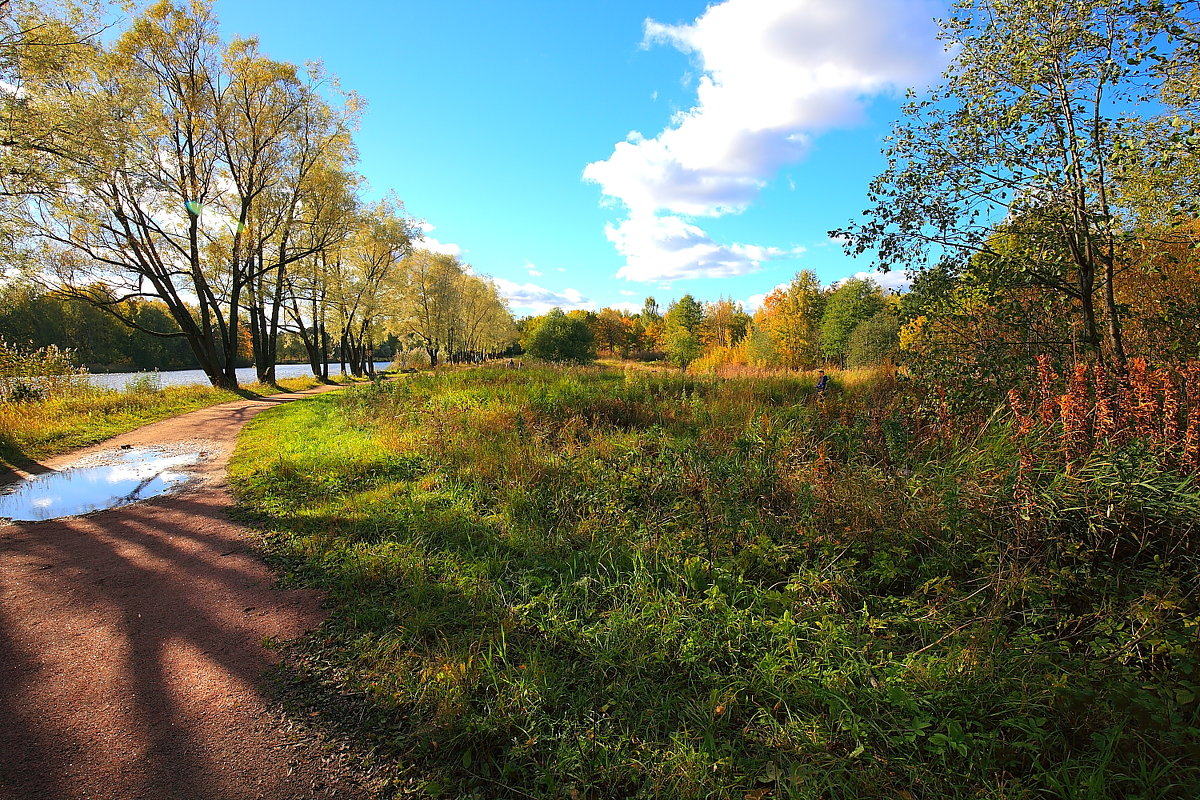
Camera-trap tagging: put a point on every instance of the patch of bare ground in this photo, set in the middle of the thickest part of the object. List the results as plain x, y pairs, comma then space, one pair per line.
132, 647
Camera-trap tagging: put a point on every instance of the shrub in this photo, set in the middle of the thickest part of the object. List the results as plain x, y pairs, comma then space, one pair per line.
144, 384
29, 375
559, 337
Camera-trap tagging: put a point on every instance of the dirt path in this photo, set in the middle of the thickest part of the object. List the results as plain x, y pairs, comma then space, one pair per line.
131, 646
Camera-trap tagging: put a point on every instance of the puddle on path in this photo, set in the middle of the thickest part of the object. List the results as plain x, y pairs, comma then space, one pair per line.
123, 477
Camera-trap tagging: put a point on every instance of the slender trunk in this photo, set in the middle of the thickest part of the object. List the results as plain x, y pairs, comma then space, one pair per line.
1116, 338
271, 323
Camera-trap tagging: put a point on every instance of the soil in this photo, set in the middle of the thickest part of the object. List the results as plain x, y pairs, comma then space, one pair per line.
132, 645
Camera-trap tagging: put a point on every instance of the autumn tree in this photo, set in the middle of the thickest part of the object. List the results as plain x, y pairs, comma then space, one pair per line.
724, 323
611, 330
790, 319
376, 251
169, 166
1038, 108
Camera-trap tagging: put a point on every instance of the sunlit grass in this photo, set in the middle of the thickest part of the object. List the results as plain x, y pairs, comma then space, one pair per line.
592, 582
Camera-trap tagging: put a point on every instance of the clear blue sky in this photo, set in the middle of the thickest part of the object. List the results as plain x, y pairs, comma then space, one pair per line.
587, 154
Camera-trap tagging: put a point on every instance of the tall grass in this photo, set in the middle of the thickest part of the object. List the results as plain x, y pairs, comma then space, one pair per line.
600, 583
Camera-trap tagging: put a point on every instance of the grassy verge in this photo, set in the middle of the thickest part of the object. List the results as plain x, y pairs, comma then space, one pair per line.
583, 583
33, 430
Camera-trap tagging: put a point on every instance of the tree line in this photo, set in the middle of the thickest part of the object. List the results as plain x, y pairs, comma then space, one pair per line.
200, 176
801, 325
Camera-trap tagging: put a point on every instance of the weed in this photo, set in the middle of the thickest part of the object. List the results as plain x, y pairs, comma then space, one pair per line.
625, 583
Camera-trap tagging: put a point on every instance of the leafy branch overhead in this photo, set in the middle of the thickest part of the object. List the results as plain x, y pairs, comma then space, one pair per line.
1031, 150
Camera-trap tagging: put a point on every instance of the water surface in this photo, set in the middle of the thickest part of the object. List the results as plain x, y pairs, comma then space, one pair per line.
183, 377
129, 476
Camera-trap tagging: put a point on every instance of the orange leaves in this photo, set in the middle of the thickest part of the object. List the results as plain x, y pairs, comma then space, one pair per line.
1160, 407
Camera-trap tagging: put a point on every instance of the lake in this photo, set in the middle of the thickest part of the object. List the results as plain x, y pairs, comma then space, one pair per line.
183, 377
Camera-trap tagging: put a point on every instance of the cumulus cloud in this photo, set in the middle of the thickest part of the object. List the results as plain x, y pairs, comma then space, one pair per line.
896, 280
536, 299
433, 245
667, 248
773, 75
754, 302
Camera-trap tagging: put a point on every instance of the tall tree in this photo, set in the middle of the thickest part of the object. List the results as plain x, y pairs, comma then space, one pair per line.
1039, 106
791, 318
850, 303
376, 250
119, 215
427, 301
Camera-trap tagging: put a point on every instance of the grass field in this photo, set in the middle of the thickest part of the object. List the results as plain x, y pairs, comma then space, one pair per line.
603, 583
37, 429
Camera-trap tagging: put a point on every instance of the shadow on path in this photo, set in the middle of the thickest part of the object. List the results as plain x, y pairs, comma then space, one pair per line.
131, 647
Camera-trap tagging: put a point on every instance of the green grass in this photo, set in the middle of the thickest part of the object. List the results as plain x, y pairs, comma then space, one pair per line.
584, 583
34, 430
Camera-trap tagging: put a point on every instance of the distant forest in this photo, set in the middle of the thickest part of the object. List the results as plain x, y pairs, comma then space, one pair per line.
32, 317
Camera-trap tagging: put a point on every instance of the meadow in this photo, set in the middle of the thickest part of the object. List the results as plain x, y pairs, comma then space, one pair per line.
594, 582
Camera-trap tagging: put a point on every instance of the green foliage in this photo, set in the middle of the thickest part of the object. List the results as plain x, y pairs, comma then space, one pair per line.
685, 313
582, 583
560, 337
681, 345
650, 312
1001, 144
144, 384
852, 302
98, 340
874, 340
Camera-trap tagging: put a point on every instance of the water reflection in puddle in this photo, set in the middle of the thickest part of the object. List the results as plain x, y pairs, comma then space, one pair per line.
127, 477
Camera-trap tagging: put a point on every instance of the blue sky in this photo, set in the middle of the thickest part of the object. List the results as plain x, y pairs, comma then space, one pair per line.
588, 154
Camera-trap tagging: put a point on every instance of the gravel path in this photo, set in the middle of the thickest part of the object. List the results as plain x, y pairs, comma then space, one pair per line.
131, 645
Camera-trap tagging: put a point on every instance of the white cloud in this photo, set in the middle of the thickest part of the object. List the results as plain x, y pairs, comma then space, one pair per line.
628, 293
433, 245
896, 280
538, 299
667, 248
774, 75
627, 307
755, 301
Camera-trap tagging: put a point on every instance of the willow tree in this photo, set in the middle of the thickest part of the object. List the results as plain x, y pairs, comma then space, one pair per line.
287, 151
426, 301
331, 214
118, 215
37, 49
375, 251
447, 310
169, 166
1041, 105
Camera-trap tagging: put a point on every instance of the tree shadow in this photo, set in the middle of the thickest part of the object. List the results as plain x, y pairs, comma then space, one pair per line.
14, 464
136, 641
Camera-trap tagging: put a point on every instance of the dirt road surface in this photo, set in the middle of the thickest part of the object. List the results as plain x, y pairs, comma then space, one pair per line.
131, 646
